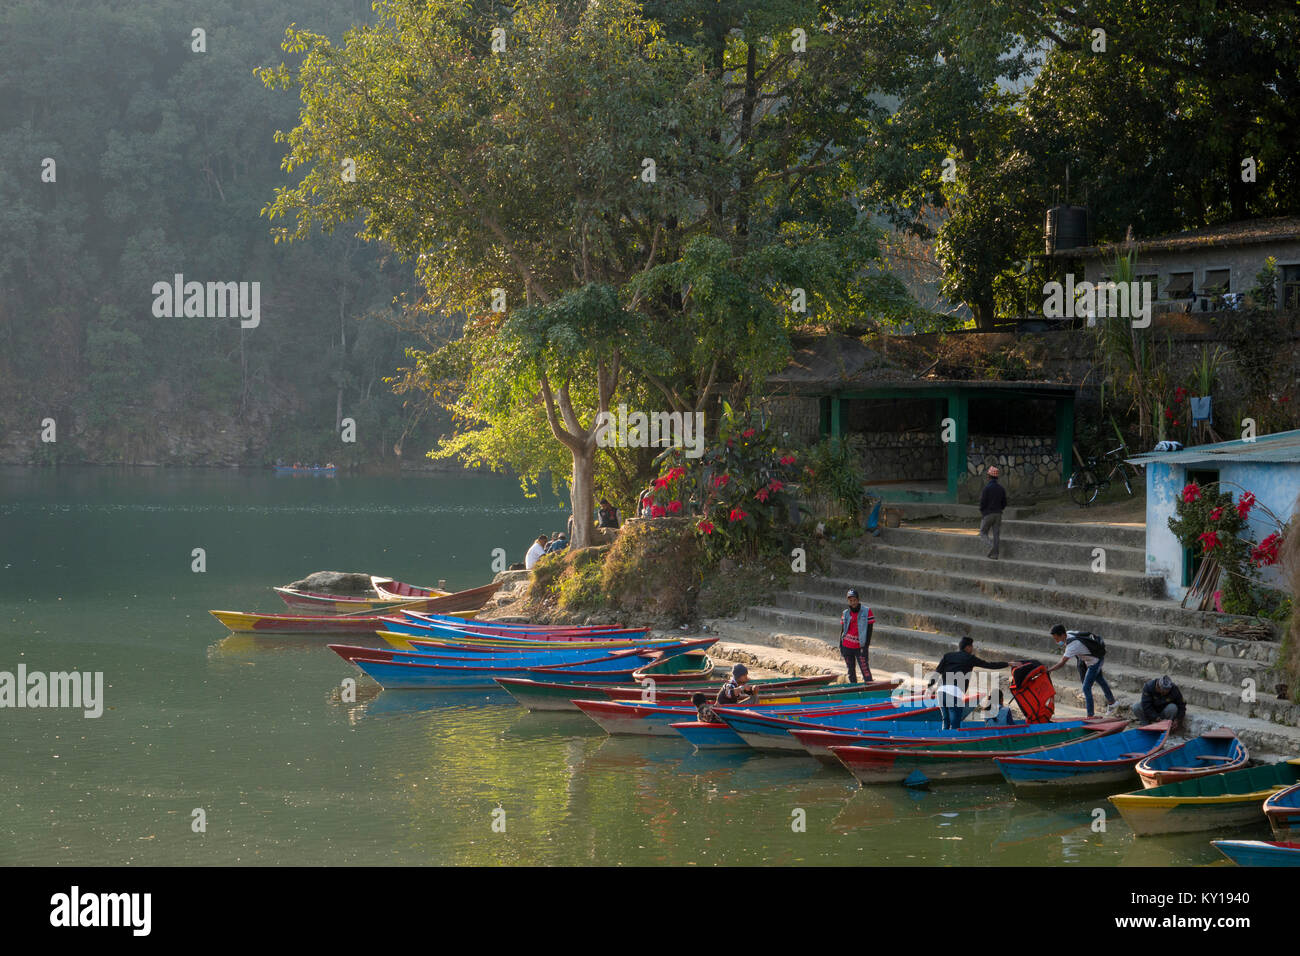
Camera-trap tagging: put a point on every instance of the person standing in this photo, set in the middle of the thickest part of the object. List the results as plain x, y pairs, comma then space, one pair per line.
993, 501
954, 677
855, 636
1089, 652
1161, 700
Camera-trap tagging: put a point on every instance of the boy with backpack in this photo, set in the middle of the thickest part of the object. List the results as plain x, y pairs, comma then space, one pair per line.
1089, 653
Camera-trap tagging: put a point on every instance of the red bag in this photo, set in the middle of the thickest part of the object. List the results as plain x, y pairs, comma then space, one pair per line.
1031, 686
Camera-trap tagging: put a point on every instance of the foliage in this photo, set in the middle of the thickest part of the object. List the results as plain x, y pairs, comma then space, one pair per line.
1264, 293
833, 470
654, 568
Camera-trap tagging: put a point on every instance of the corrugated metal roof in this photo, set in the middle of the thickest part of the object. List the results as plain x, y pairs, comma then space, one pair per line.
1279, 447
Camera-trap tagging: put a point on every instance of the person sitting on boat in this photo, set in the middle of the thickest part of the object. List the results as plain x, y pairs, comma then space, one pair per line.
1161, 700
1089, 653
558, 543
536, 551
855, 636
737, 689
954, 677
608, 515
703, 712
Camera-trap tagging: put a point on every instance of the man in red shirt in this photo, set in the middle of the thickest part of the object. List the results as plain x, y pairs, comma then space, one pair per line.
856, 623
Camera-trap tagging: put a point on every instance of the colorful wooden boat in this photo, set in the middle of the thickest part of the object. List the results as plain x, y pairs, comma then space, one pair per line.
818, 743
388, 668
257, 622
1217, 802
962, 759
1212, 752
408, 637
345, 603
1283, 812
396, 590
432, 644
1104, 760
539, 695
709, 736
1259, 852
639, 718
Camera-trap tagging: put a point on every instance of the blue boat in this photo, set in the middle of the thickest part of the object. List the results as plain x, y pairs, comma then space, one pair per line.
1283, 812
1259, 852
772, 732
642, 718
1213, 752
709, 736
1104, 760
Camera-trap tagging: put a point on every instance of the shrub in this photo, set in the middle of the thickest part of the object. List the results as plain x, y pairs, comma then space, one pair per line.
655, 568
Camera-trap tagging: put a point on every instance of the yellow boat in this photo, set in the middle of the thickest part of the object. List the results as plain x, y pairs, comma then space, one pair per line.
253, 622
1219, 801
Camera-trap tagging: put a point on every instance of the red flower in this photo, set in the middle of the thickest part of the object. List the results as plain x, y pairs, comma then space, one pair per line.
736, 515
1191, 492
1169, 413
1175, 421
657, 511
1244, 504
1209, 540
705, 526
787, 459
1265, 553
762, 494
674, 507
775, 485
720, 480
747, 433
809, 470
661, 482
1180, 393
1216, 514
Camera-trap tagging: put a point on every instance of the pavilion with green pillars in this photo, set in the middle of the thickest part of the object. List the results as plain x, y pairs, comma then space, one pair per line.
924, 438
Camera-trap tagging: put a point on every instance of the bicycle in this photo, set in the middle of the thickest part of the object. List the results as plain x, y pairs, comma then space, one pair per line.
1084, 486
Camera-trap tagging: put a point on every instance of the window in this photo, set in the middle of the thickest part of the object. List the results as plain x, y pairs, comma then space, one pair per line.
1218, 281
1180, 286
1290, 291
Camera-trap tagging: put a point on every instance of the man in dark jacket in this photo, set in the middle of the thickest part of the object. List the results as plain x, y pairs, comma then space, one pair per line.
954, 675
1161, 700
993, 500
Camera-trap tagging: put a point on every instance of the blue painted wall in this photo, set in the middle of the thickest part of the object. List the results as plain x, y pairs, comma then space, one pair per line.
1274, 484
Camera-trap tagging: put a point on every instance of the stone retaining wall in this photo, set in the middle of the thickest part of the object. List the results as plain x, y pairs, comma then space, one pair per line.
1030, 465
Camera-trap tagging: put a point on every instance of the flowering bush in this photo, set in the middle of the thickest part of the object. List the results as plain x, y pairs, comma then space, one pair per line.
737, 487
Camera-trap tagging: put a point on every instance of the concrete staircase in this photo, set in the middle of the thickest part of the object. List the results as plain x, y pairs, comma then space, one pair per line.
929, 586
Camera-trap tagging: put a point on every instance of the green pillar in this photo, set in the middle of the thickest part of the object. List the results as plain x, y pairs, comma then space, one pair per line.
1065, 437
835, 415
824, 410
959, 412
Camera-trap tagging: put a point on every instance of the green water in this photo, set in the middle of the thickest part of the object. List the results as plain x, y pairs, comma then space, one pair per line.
95, 575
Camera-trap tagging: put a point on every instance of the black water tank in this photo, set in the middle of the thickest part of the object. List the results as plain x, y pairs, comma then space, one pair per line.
1067, 228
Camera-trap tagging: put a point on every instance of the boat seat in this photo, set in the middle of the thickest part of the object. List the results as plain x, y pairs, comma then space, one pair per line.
1215, 757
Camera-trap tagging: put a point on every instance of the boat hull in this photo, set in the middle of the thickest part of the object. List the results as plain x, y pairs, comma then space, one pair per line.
1217, 751
536, 695
1283, 812
1232, 799
1259, 852
1089, 763
706, 736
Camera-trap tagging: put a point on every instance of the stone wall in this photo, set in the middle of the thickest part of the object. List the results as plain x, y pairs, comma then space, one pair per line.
904, 456
1030, 465
796, 416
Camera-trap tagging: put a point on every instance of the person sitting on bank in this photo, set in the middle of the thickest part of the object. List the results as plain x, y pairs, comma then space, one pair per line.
1161, 700
954, 676
536, 551
1089, 652
737, 689
855, 636
608, 515
703, 711
558, 543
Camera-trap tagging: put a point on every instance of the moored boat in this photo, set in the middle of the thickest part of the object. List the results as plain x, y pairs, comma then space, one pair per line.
818, 742
1214, 751
1283, 812
257, 622
962, 759
772, 732
709, 736
1219, 801
1087, 763
342, 603
540, 695
1259, 852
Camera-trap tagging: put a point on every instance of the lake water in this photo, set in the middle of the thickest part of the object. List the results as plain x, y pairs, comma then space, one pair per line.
95, 575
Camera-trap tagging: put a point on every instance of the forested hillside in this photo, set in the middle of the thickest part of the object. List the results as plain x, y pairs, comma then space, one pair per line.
130, 156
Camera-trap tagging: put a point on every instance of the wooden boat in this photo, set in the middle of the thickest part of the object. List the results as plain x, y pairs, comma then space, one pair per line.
1213, 752
396, 590
539, 695
643, 718
1259, 852
409, 637
1283, 812
342, 603
691, 666
1103, 760
388, 668
416, 645
1217, 802
962, 759
882, 733
709, 736
257, 622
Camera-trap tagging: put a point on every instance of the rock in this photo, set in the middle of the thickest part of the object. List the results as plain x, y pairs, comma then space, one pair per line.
336, 582
510, 579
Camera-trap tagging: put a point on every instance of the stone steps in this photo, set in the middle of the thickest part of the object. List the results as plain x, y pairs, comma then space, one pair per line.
1072, 552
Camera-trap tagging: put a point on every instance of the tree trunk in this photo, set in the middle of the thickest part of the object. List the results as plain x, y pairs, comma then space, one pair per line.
582, 496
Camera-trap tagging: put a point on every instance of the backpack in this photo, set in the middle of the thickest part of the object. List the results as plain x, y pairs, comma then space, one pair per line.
1093, 642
